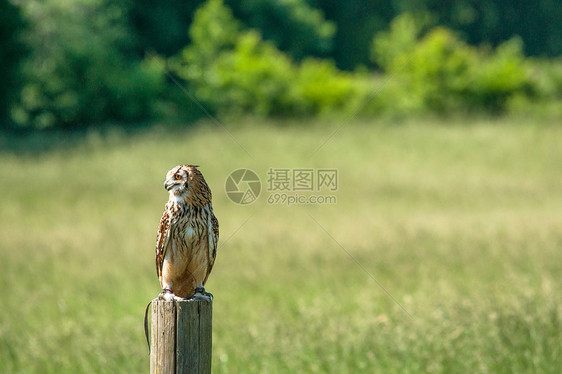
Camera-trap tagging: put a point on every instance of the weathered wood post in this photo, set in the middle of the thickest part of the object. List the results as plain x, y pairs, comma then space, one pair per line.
181, 337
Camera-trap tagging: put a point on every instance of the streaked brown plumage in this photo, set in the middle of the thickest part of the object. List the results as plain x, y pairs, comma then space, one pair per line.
186, 244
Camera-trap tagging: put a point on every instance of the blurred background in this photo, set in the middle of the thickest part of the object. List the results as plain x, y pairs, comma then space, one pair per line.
440, 254
69, 64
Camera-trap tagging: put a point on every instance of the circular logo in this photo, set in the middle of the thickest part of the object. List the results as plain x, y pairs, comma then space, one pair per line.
243, 186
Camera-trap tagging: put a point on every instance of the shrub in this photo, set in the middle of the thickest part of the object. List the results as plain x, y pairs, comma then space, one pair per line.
545, 94
443, 74
497, 76
390, 48
234, 71
323, 89
78, 72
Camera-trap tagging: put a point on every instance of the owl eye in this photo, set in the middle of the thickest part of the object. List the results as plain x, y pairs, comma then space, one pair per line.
177, 176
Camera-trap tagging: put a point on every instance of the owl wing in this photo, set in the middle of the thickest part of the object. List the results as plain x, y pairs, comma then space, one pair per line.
162, 241
213, 232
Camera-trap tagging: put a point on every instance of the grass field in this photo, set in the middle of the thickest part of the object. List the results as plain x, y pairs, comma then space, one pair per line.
461, 223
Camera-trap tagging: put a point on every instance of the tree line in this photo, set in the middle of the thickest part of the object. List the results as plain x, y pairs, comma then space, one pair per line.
82, 62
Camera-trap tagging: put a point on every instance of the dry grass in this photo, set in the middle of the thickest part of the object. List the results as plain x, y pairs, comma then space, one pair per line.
461, 223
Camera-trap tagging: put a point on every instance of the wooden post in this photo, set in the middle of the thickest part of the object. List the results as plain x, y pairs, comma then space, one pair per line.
181, 337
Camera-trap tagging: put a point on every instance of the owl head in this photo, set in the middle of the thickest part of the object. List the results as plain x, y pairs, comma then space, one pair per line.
186, 184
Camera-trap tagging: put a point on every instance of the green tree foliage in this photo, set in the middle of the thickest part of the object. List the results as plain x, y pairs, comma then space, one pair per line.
343, 30
78, 72
545, 96
493, 22
293, 26
11, 53
233, 70
161, 26
356, 22
86, 58
441, 73
391, 46
537, 22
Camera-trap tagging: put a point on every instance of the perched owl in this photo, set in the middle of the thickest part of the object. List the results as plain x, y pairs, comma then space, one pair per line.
186, 244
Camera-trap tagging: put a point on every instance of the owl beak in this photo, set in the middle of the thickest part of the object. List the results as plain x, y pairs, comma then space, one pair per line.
167, 185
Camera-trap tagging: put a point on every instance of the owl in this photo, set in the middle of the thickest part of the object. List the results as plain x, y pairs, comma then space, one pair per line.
186, 244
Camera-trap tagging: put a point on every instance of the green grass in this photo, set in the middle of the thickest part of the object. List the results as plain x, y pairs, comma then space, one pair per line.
460, 222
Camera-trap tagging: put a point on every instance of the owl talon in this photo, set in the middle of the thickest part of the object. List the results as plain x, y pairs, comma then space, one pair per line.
166, 295
201, 294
